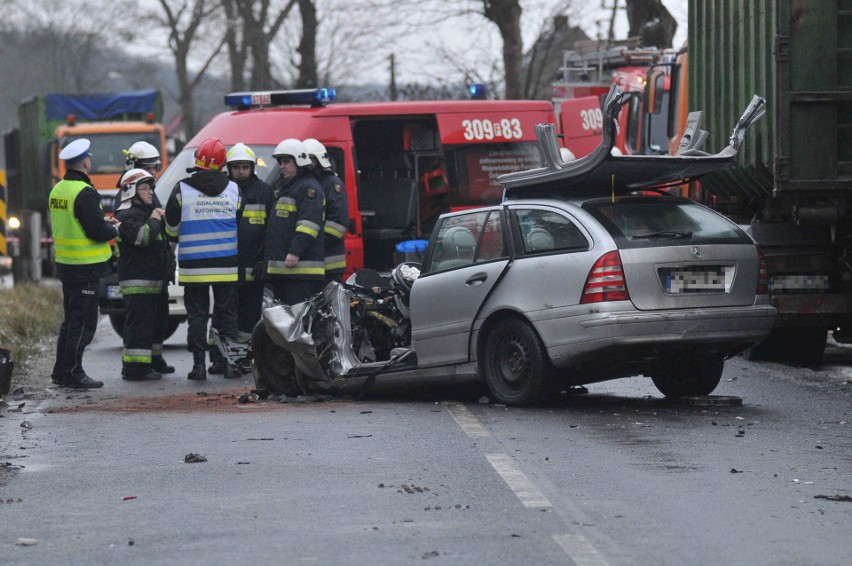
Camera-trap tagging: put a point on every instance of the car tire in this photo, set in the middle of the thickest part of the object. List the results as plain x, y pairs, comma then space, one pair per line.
690, 376
514, 364
274, 367
797, 346
116, 320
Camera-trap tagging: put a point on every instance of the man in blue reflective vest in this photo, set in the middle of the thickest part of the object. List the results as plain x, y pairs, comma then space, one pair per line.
201, 216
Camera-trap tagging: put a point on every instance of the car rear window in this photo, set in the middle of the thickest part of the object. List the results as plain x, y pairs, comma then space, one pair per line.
636, 222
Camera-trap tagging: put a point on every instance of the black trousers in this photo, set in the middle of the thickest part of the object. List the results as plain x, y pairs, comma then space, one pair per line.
291, 291
250, 302
80, 305
197, 301
145, 324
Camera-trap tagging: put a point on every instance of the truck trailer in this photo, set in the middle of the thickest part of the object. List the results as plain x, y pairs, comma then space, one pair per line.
793, 187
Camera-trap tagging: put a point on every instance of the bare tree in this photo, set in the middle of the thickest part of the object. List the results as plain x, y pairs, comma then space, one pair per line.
184, 20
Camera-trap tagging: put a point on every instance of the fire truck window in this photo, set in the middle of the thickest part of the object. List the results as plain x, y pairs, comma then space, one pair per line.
472, 170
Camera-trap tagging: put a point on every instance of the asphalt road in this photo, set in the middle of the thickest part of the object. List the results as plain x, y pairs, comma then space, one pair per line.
428, 474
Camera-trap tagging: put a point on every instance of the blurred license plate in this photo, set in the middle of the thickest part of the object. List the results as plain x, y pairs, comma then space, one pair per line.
113, 291
705, 279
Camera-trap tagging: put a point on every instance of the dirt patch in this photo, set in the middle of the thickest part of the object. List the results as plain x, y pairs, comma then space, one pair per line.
219, 402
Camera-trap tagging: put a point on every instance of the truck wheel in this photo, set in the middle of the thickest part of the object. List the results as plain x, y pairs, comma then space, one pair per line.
797, 346
514, 364
274, 367
116, 320
690, 376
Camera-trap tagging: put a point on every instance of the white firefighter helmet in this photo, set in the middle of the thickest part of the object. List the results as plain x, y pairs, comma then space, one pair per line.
129, 181
316, 149
241, 152
141, 154
295, 149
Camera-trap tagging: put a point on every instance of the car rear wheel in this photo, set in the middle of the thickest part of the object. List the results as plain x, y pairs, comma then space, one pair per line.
274, 367
514, 364
690, 376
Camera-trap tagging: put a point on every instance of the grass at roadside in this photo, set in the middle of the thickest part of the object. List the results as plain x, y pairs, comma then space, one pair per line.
28, 313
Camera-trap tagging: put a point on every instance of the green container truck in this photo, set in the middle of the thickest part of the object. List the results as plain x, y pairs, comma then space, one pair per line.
793, 184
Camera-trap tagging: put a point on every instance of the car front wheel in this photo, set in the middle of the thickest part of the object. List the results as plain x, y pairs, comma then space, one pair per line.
514, 364
690, 376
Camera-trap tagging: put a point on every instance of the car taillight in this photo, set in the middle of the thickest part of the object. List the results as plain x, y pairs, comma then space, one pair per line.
762, 275
605, 281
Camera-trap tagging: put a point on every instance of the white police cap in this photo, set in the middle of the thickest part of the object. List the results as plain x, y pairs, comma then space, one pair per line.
77, 150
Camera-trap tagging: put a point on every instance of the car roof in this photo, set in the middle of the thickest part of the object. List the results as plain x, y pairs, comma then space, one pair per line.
601, 173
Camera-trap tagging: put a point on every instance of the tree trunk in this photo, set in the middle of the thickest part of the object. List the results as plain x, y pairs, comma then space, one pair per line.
236, 48
308, 46
506, 14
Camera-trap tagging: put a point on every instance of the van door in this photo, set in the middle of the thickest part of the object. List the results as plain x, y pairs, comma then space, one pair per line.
467, 256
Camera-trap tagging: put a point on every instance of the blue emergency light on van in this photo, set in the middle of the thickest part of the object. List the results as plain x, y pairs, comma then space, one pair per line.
308, 96
410, 250
478, 91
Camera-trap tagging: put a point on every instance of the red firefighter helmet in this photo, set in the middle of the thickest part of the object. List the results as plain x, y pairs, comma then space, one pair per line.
210, 154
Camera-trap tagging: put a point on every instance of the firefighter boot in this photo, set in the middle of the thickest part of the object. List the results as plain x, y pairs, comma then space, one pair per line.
230, 372
198, 372
159, 363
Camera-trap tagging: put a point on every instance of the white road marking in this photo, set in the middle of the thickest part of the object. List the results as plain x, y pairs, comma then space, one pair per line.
580, 550
518, 481
467, 421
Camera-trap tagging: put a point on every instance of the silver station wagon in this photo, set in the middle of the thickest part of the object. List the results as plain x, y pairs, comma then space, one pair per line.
584, 273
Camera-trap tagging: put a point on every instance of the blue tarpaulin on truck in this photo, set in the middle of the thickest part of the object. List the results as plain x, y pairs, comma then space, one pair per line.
100, 106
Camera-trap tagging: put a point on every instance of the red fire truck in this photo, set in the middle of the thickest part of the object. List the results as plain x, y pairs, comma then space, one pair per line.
403, 163
587, 73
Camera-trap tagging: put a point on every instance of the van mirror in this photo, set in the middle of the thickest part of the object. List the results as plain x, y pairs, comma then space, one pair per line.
654, 89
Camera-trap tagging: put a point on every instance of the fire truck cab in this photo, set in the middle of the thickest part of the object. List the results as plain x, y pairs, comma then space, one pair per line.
403, 163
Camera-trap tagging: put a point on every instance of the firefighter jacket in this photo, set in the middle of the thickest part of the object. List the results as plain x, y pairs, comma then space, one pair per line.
256, 203
336, 221
295, 227
142, 251
80, 234
201, 215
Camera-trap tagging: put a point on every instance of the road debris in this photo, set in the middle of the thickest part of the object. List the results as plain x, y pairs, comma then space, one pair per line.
712, 401
27, 425
846, 498
192, 458
128, 497
736, 471
26, 542
248, 398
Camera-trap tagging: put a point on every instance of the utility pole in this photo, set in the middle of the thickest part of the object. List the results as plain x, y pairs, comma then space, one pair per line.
393, 91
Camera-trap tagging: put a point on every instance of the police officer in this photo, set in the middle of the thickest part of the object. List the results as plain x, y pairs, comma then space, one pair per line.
201, 215
143, 269
81, 238
336, 211
255, 206
295, 261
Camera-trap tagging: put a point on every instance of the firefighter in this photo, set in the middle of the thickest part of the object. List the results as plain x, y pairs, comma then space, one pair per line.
140, 155
81, 236
201, 216
255, 205
336, 211
295, 262
143, 268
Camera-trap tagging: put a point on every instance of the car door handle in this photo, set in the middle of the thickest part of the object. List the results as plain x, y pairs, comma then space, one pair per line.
476, 279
